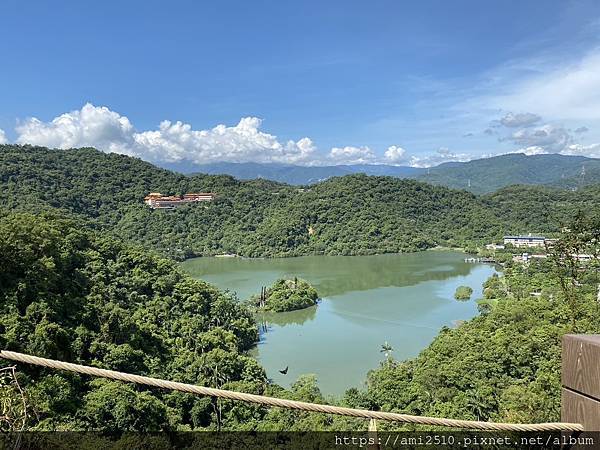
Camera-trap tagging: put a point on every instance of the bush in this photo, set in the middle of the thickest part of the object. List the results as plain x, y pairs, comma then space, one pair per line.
463, 293
286, 295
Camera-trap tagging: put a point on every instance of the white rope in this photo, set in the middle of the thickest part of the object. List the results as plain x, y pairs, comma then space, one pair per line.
283, 403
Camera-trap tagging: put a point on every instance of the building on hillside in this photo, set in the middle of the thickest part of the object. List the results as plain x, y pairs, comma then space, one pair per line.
199, 197
584, 257
525, 241
526, 257
494, 246
158, 201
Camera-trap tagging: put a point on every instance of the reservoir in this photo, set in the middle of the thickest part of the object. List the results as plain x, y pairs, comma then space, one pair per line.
401, 299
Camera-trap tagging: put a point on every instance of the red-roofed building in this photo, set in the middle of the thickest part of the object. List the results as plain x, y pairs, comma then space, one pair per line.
158, 201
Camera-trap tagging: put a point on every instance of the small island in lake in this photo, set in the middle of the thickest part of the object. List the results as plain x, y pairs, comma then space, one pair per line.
286, 295
463, 293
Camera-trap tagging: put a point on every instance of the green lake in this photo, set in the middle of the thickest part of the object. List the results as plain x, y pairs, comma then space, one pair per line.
402, 299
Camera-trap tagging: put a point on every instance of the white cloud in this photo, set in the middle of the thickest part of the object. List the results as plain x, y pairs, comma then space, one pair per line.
591, 150
395, 154
90, 126
352, 155
241, 143
443, 155
110, 131
532, 150
172, 141
560, 90
177, 141
541, 139
512, 120
549, 137
3, 139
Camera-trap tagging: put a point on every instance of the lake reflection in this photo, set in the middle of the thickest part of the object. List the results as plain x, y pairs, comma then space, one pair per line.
286, 318
367, 300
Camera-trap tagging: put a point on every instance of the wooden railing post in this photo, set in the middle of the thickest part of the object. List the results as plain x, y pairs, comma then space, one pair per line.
580, 398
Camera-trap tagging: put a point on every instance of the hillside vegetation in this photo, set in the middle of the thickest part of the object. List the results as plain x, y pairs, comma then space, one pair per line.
76, 296
503, 365
286, 295
490, 174
70, 290
349, 215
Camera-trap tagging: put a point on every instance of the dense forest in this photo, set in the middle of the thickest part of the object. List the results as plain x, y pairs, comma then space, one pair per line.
78, 283
348, 215
76, 296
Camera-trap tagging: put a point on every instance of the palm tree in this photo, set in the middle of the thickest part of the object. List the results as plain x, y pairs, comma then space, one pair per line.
387, 349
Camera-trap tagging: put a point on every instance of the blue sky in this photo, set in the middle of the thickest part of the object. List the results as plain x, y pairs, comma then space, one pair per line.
327, 82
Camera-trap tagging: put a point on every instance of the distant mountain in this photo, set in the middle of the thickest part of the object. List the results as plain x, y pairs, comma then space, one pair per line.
479, 176
290, 174
490, 174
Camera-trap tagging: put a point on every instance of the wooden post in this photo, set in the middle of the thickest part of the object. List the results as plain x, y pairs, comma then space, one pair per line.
580, 398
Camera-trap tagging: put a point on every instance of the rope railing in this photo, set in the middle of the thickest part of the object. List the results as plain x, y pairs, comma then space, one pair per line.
284, 403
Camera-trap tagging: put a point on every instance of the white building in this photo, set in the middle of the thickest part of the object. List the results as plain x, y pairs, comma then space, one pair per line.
525, 241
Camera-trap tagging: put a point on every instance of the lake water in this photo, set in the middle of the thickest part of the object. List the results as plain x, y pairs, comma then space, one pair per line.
402, 299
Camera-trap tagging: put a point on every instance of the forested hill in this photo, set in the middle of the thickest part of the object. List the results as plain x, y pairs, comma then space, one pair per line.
490, 174
355, 214
77, 296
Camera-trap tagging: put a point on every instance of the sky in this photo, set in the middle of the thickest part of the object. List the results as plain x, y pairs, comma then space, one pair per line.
313, 83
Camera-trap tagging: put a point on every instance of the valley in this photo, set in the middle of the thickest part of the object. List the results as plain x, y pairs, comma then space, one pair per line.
92, 274
402, 299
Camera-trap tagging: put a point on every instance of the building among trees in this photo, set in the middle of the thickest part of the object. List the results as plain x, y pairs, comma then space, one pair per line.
158, 201
525, 241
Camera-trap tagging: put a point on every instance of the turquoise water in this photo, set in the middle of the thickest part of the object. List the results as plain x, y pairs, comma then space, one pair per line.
402, 299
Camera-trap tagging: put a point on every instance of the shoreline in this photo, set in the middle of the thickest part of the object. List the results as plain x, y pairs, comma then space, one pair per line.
236, 256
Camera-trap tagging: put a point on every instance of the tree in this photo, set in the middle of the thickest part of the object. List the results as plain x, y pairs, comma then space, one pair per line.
75, 295
463, 293
580, 239
386, 349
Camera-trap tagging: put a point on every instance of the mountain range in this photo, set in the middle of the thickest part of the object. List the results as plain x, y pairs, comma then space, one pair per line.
479, 176
291, 174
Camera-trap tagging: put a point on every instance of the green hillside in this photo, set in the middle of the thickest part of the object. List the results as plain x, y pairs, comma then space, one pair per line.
73, 295
503, 365
490, 174
79, 296
354, 214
